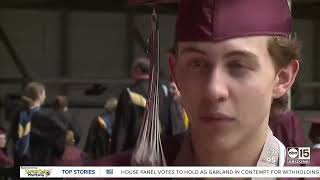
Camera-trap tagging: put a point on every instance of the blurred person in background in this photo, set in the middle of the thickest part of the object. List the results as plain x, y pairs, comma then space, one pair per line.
5, 160
39, 137
61, 110
99, 137
180, 120
73, 155
131, 107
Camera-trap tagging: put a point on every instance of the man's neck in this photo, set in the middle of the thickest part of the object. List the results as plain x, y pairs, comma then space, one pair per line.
245, 153
36, 104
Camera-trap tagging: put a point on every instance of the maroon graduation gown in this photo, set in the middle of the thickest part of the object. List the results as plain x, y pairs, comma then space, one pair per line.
73, 156
173, 148
315, 157
5, 161
288, 128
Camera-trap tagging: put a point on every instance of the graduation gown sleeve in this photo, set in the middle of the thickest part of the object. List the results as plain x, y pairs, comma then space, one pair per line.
125, 127
98, 141
47, 138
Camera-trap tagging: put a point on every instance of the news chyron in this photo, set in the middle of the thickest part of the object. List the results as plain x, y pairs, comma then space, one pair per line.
298, 155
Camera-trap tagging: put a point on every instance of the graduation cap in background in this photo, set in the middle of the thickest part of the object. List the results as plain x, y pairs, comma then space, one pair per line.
210, 21
95, 90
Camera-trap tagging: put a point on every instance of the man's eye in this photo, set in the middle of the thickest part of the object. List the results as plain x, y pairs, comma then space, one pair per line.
237, 66
196, 63
239, 69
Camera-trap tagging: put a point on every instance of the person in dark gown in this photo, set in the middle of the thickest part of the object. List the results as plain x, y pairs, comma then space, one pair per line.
286, 124
131, 107
99, 138
230, 61
72, 155
61, 111
38, 137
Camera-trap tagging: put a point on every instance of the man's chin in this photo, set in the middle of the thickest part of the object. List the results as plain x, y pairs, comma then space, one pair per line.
224, 139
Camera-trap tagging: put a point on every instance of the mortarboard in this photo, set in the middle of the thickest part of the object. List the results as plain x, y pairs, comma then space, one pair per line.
216, 20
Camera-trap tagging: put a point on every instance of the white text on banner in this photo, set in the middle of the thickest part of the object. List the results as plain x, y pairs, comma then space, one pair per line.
166, 171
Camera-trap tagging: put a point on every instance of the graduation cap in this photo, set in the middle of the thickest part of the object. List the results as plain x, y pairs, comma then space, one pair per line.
217, 20
95, 90
213, 21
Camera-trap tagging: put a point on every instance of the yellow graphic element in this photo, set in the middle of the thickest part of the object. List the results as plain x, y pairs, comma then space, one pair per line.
185, 119
102, 123
138, 99
38, 172
24, 131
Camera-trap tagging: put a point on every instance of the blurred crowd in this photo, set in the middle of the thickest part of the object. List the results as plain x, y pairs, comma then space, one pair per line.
50, 136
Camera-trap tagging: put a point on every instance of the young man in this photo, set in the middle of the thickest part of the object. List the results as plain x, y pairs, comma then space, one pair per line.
39, 137
229, 67
33, 98
232, 59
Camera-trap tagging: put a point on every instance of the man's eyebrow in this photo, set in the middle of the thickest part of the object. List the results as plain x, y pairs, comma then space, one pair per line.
247, 57
191, 50
243, 53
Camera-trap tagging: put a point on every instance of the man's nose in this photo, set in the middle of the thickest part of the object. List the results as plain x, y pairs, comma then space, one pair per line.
217, 88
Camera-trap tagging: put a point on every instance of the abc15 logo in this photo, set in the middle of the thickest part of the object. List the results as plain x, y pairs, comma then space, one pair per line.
298, 152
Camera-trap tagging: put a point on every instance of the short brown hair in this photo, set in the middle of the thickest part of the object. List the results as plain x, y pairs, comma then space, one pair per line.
283, 51
60, 102
111, 104
33, 90
143, 64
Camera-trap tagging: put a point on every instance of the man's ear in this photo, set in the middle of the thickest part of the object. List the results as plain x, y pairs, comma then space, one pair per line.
172, 65
285, 78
